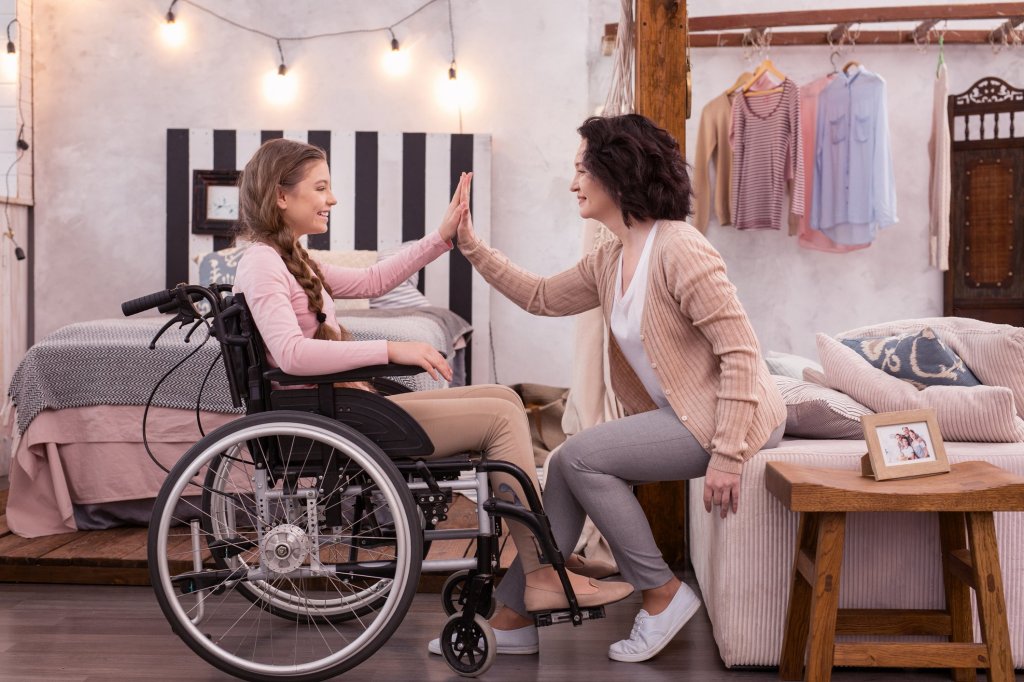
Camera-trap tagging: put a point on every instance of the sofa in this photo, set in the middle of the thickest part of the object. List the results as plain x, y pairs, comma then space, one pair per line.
743, 563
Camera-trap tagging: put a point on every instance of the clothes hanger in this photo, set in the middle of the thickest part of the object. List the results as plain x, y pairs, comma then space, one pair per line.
740, 80
853, 63
942, 53
832, 60
764, 67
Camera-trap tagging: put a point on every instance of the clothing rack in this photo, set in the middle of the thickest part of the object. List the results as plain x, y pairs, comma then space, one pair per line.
721, 31
746, 30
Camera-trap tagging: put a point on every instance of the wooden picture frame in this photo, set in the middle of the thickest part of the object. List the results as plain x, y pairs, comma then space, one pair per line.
214, 202
903, 444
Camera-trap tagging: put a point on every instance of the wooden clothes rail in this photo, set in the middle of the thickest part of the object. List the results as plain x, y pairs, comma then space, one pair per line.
711, 31
738, 30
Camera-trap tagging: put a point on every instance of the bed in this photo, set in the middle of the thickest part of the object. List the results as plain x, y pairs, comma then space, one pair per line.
80, 463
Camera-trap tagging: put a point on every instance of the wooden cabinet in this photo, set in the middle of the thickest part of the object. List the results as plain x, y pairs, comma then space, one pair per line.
985, 279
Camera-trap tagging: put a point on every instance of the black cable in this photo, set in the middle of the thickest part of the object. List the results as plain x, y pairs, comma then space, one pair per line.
149, 401
199, 398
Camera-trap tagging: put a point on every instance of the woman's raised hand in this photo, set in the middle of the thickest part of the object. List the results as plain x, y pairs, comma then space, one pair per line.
420, 355
466, 233
457, 208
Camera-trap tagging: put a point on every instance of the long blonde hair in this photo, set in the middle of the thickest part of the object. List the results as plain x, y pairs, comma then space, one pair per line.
284, 163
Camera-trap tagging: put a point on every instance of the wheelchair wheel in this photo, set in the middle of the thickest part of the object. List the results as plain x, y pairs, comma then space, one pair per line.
455, 592
238, 536
468, 648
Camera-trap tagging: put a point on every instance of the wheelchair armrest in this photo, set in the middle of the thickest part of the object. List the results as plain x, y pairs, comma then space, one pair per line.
360, 374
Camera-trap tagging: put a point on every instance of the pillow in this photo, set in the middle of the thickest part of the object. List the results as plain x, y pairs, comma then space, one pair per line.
921, 358
788, 365
218, 267
346, 259
965, 413
994, 352
405, 295
814, 411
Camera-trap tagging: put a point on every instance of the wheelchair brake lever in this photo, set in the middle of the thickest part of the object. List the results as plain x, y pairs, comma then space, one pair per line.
196, 326
167, 325
428, 478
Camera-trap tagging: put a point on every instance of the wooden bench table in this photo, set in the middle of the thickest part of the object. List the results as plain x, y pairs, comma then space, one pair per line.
964, 500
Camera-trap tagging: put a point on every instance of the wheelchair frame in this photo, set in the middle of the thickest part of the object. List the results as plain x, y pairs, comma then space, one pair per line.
290, 506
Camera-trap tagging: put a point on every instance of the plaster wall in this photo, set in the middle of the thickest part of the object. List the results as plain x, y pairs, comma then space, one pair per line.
790, 292
107, 89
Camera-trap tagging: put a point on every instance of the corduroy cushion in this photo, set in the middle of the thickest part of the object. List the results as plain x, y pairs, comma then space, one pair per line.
920, 358
965, 413
994, 352
814, 411
789, 364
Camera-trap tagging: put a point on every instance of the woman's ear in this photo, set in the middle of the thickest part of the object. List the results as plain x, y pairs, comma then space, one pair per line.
282, 198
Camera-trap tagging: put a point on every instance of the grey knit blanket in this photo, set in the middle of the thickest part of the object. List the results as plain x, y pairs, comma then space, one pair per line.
108, 362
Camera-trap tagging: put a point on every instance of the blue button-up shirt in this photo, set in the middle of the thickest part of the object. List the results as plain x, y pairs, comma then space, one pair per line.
854, 191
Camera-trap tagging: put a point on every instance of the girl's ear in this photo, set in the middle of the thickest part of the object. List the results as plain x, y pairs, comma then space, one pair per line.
282, 198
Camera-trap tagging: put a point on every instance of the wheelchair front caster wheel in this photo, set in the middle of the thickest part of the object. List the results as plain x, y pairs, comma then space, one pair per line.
456, 591
468, 648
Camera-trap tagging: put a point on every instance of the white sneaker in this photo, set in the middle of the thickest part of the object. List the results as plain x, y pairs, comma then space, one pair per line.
651, 634
521, 641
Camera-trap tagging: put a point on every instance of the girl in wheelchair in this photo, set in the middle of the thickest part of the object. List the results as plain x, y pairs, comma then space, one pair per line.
285, 193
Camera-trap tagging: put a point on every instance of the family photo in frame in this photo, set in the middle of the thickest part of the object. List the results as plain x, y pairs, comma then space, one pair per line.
903, 444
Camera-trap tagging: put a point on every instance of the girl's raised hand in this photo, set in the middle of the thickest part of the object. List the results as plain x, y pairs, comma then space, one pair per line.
457, 207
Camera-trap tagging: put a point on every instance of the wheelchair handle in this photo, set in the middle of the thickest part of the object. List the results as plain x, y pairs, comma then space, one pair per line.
138, 305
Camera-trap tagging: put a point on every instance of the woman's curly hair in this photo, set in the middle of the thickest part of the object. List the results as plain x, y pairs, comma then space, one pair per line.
639, 165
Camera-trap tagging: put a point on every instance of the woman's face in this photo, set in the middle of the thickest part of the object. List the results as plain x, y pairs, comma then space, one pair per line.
593, 198
306, 206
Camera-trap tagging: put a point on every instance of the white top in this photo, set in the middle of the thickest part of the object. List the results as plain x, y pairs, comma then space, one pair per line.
627, 318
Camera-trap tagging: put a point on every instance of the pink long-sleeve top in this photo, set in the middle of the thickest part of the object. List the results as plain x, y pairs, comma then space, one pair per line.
280, 307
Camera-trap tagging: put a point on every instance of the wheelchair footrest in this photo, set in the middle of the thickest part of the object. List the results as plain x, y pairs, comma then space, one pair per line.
545, 618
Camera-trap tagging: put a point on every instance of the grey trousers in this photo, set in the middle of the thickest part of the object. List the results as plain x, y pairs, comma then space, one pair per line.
592, 474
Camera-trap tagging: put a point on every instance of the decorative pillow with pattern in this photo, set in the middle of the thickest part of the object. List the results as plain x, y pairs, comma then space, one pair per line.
405, 295
218, 267
920, 358
814, 411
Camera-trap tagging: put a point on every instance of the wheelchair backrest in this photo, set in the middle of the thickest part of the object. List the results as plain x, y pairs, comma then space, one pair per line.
245, 356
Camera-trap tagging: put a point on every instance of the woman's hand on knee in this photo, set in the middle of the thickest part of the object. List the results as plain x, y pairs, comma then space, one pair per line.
722, 490
420, 355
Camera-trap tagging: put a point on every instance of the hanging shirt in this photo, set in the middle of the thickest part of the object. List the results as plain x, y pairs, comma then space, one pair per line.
854, 186
806, 236
765, 138
939, 188
626, 318
713, 143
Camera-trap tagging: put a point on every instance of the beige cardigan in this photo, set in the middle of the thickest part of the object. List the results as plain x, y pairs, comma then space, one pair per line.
694, 329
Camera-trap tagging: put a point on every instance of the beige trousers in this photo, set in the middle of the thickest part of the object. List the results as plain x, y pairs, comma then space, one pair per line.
488, 419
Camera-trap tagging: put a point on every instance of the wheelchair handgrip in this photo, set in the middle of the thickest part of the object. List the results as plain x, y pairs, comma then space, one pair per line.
359, 374
138, 305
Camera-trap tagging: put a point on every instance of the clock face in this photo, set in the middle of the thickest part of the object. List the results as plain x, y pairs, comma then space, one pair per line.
221, 202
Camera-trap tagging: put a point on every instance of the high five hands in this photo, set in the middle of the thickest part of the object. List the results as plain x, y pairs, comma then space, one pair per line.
457, 209
466, 233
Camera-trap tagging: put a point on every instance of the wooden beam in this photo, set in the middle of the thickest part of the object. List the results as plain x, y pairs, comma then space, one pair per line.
661, 96
867, 15
784, 38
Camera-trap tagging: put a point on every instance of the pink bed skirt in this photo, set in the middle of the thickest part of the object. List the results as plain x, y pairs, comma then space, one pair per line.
93, 455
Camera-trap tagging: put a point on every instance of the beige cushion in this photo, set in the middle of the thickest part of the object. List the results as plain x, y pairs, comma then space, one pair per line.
994, 352
965, 413
814, 411
347, 259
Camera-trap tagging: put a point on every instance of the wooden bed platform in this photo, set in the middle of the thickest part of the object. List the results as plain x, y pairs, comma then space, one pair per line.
118, 556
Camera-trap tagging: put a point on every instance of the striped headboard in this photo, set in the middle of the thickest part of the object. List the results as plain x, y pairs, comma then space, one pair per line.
391, 187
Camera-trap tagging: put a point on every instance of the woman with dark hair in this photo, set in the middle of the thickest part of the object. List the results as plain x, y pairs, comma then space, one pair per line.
685, 364
284, 194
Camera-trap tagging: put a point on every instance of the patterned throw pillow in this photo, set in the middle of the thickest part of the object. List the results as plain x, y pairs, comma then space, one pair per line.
814, 411
218, 267
405, 295
920, 358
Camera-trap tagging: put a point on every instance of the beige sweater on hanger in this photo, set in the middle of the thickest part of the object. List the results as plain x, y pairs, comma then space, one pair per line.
713, 143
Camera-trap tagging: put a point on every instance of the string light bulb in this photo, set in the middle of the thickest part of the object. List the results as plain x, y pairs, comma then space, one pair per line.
396, 60
457, 92
10, 40
279, 86
9, 68
172, 30
452, 75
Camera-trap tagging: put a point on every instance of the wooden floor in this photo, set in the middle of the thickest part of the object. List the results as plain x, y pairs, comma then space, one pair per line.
118, 556
81, 633
96, 633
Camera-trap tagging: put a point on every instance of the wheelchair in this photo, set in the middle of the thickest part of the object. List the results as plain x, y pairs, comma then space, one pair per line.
288, 544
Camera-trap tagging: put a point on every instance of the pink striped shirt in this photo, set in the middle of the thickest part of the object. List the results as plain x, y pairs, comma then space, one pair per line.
766, 157
280, 307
